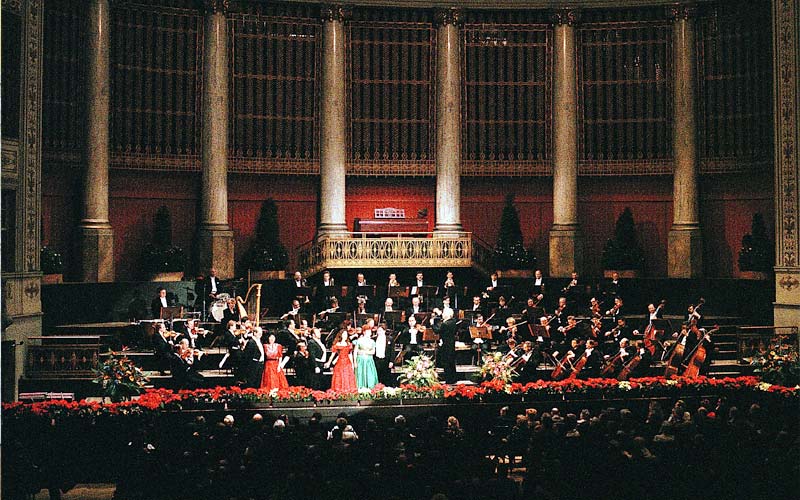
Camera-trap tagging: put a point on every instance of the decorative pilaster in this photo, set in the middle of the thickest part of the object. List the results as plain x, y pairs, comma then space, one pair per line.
448, 124
97, 236
786, 34
685, 247
333, 126
566, 239
215, 236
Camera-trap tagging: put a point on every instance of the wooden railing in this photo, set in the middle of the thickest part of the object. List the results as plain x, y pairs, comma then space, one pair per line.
358, 251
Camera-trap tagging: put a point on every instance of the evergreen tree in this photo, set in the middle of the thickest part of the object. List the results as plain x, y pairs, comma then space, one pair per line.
623, 251
161, 255
757, 253
267, 253
510, 252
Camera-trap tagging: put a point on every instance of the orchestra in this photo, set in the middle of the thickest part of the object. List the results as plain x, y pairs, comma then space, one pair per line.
578, 339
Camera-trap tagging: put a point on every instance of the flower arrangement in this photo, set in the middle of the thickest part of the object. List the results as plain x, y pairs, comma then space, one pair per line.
778, 363
157, 400
496, 367
119, 378
419, 371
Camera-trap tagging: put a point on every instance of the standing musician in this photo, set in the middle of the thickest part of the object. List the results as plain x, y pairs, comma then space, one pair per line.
320, 354
164, 346
384, 348
208, 287
538, 284
573, 289
326, 279
233, 340
361, 280
693, 313
253, 359
493, 282
560, 315
688, 338
612, 288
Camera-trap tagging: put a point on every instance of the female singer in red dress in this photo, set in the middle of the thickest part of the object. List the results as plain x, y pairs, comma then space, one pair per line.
344, 377
274, 377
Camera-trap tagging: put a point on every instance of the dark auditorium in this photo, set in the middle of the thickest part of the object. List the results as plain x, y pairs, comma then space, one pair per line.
400, 249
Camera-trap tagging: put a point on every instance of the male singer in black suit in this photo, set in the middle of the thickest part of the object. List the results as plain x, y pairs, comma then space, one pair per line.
253, 359
447, 351
161, 301
317, 349
384, 355
207, 288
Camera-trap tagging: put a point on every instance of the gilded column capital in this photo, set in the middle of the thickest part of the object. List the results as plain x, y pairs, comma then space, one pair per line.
682, 12
444, 17
565, 17
215, 6
334, 12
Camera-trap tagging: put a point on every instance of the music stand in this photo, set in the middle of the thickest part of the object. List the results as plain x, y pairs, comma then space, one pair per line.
395, 292
480, 332
537, 331
429, 335
335, 319
302, 292
326, 292
170, 313
425, 292
467, 315
392, 318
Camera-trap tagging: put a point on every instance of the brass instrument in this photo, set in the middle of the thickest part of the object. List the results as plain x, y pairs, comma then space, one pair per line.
254, 303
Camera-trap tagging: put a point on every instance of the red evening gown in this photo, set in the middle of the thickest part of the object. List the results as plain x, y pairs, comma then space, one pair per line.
344, 378
272, 378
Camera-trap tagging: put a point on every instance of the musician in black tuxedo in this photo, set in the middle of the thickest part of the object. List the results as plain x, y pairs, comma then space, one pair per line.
234, 346
304, 365
527, 362
477, 306
384, 355
446, 356
184, 367
163, 347
320, 354
612, 288
539, 287
416, 307
253, 359
411, 338
594, 361
207, 287
643, 367
161, 301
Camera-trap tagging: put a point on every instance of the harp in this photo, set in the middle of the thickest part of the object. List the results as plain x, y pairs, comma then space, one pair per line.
250, 306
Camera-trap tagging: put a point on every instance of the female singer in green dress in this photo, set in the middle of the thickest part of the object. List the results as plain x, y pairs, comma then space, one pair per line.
366, 374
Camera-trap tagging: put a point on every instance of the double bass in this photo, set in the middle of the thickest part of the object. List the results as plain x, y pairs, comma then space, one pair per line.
675, 359
651, 334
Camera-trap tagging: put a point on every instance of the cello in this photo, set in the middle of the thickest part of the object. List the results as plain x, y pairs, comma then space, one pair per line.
697, 357
613, 364
631, 365
674, 362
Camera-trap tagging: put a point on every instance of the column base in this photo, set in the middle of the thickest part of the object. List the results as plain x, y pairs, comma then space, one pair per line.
97, 249
566, 250
332, 230
787, 296
215, 249
448, 231
685, 252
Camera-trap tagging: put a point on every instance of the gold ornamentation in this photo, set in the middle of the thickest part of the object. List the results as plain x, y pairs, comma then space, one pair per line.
32, 138
334, 12
789, 283
682, 12
443, 17
214, 6
562, 17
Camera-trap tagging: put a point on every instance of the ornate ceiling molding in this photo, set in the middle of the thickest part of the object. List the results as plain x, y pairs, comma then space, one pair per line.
334, 12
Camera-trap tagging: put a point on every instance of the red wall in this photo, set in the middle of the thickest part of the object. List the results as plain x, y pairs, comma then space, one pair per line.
727, 205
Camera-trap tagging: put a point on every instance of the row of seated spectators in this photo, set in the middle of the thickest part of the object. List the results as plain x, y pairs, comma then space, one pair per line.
708, 450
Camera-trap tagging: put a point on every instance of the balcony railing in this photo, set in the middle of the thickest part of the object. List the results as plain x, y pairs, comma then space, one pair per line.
363, 251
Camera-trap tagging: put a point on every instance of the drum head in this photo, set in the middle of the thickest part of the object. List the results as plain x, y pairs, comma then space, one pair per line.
217, 310
223, 296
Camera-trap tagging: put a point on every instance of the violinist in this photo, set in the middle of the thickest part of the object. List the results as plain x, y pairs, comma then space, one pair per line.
164, 345
533, 310
193, 333
233, 341
596, 327
559, 317
612, 337
411, 338
612, 288
594, 307
502, 313
572, 330
617, 310
184, 368
510, 328
526, 363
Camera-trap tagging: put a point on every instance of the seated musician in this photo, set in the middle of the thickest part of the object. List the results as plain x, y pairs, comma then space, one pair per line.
527, 362
299, 281
388, 305
415, 308
624, 352
533, 310
617, 310
560, 314
231, 313
612, 337
646, 360
161, 301
572, 330
334, 307
510, 328
361, 305
393, 281
594, 360
502, 312
193, 333
411, 338
361, 280
326, 279
184, 368
294, 311
477, 306
507, 348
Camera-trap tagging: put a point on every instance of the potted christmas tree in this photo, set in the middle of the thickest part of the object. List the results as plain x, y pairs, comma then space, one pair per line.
623, 253
267, 257
756, 257
511, 256
161, 259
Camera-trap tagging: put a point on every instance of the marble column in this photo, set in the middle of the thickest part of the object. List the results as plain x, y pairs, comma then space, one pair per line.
215, 236
333, 125
786, 35
566, 238
685, 246
96, 234
448, 124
